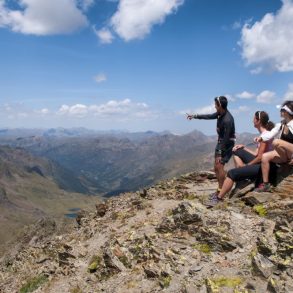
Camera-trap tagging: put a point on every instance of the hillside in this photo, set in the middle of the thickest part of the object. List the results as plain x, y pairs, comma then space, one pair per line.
162, 239
31, 188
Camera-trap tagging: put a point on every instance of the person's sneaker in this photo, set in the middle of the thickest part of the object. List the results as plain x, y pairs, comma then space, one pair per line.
212, 195
213, 201
263, 187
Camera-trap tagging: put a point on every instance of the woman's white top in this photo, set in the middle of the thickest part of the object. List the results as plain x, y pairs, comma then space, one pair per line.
276, 132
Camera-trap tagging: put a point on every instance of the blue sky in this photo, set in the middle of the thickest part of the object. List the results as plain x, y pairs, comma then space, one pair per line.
141, 64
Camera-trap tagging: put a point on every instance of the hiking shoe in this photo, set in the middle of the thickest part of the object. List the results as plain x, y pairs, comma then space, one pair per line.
212, 195
213, 201
263, 187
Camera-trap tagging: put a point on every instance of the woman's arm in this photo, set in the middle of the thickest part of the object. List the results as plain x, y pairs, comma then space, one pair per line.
253, 152
267, 135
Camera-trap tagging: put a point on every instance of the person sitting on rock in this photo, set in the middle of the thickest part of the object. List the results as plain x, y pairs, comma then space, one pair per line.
247, 159
282, 144
226, 137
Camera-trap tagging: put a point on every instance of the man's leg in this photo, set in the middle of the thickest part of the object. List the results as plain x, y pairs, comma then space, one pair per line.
220, 172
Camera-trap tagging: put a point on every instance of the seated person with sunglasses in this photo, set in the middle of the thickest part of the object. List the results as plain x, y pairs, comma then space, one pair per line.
282, 144
226, 137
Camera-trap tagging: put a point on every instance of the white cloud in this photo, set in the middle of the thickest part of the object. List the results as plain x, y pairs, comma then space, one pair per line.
203, 110
43, 17
240, 109
230, 98
289, 94
256, 70
245, 95
269, 42
101, 77
134, 19
236, 25
121, 109
104, 35
266, 97
77, 110
44, 111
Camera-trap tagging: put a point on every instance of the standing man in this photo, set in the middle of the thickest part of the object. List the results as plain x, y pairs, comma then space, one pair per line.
226, 139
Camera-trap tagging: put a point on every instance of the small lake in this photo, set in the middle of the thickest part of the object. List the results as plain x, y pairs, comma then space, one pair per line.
72, 213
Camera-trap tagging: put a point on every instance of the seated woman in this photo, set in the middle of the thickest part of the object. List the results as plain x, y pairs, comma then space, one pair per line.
248, 160
283, 145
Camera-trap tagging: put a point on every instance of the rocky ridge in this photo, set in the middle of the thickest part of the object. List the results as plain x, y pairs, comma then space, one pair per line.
162, 239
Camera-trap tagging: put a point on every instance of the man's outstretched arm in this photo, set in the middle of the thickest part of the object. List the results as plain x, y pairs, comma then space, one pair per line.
203, 116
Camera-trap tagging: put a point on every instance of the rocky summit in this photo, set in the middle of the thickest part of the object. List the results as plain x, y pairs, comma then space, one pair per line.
162, 239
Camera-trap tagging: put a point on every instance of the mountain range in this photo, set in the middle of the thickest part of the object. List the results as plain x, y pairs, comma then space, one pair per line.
108, 163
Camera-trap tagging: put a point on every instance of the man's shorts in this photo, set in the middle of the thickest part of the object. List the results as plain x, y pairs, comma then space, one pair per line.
226, 154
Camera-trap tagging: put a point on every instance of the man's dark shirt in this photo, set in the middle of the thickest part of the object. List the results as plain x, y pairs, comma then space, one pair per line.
225, 127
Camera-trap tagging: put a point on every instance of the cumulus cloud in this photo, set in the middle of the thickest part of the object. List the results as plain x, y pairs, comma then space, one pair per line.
43, 112
236, 25
245, 95
268, 43
134, 19
240, 109
266, 97
122, 109
230, 98
105, 36
202, 110
43, 17
101, 77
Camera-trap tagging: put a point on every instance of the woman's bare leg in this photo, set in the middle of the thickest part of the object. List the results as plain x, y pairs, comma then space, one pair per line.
284, 149
227, 186
268, 157
238, 162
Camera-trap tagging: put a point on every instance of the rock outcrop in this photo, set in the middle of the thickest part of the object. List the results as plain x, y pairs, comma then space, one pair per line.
163, 239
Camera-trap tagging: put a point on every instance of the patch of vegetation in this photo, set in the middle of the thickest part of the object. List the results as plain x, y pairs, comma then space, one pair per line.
203, 247
33, 284
75, 290
165, 281
94, 263
189, 196
123, 215
253, 253
131, 285
125, 261
228, 282
260, 210
169, 213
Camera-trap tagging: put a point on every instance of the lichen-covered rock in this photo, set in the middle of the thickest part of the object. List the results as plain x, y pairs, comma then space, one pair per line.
263, 265
266, 246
